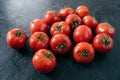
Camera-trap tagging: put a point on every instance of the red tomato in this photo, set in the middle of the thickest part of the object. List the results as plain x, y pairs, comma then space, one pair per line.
60, 27
82, 34
38, 25
39, 40
90, 21
73, 20
105, 28
60, 43
51, 17
103, 43
82, 11
16, 38
83, 53
64, 12
44, 61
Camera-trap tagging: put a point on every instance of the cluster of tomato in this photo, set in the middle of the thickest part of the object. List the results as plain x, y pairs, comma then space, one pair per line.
62, 25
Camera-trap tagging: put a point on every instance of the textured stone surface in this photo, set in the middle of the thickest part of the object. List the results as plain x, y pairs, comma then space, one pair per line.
16, 65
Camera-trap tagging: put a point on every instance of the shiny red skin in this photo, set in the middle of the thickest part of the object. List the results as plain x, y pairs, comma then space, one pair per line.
65, 28
82, 11
42, 63
78, 55
90, 21
38, 25
98, 44
105, 27
59, 39
51, 17
14, 41
82, 34
36, 43
64, 12
70, 20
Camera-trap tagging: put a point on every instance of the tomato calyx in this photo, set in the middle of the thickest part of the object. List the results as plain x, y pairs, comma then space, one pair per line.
19, 33
106, 41
47, 55
75, 23
108, 24
58, 28
60, 46
41, 37
84, 53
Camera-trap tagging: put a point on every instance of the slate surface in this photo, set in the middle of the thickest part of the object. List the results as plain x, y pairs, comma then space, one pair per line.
16, 65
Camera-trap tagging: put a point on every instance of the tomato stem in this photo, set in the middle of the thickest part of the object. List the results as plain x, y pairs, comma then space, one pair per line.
48, 55
19, 33
58, 28
108, 24
60, 46
75, 23
84, 53
41, 37
106, 41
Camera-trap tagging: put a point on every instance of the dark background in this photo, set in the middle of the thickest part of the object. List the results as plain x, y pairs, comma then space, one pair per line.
16, 65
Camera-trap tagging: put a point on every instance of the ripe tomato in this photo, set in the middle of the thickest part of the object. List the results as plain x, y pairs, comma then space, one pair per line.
73, 20
83, 53
64, 12
90, 21
16, 38
51, 17
39, 40
82, 11
60, 43
38, 25
105, 28
103, 43
60, 27
44, 61
82, 34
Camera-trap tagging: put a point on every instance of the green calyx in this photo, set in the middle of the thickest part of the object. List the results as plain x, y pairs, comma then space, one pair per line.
84, 53
60, 46
41, 37
106, 41
19, 33
75, 23
108, 24
58, 28
48, 55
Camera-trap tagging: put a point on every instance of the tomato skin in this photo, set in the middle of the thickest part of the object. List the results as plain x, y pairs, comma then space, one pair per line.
82, 11
90, 21
60, 43
44, 61
64, 12
100, 45
39, 40
51, 17
16, 38
105, 27
82, 34
73, 20
60, 27
38, 25
83, 53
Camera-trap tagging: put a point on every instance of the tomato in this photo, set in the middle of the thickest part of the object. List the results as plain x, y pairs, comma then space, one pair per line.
39, 40
83, 53
38, 25
16, 38
90, 21
51, 17
105, 28
60, 43
82, 11
82, 34
64, 12
73, 20
60, 27
103, 43
44, 61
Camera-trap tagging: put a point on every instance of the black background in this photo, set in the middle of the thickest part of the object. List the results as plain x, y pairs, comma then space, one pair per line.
16, 65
